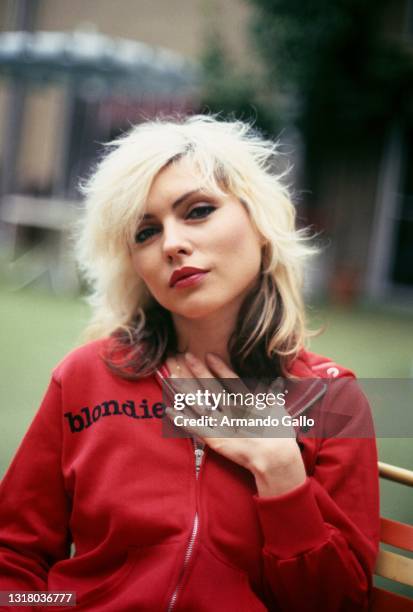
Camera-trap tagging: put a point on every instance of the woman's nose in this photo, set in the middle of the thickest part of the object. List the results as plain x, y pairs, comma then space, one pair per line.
175, 242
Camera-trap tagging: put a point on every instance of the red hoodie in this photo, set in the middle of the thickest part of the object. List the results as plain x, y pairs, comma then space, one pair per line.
152, 534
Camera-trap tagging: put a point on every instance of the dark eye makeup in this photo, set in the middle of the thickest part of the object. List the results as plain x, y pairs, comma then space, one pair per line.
197, 212
145, 234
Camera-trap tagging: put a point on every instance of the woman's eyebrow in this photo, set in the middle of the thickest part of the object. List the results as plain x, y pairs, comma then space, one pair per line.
181, 200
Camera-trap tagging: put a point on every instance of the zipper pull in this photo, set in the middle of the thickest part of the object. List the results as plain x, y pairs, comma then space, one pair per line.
199, 452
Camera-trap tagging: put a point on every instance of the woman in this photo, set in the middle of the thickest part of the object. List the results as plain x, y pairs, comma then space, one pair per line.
189, 246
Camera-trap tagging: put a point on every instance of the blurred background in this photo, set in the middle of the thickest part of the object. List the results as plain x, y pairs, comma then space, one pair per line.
332, 80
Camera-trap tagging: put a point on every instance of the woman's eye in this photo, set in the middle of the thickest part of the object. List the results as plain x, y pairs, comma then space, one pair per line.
200, 211
145, 234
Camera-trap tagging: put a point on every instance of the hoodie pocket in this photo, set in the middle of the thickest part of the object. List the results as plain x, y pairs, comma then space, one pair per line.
140, 582
86, 576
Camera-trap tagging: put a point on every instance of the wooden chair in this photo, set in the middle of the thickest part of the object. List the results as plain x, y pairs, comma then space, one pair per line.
391, 565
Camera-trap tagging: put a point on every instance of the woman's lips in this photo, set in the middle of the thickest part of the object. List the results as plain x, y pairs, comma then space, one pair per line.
183, 273
189, 281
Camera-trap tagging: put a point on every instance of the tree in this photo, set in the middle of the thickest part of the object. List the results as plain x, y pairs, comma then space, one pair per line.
349, 76
348, 67
233, 93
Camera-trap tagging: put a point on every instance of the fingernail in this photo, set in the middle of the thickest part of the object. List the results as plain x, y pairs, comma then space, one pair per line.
190, 358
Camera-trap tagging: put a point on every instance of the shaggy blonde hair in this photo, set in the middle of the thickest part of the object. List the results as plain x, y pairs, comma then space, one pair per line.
231, 157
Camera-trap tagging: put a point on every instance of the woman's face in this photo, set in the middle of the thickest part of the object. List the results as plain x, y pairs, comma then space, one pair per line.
197, 252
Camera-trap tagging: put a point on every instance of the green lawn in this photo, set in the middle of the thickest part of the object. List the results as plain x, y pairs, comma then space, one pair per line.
374, 343
38, 329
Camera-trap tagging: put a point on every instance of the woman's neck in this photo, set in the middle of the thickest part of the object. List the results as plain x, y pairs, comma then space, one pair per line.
206, 335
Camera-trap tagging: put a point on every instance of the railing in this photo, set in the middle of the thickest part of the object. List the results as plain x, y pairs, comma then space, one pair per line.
395, 473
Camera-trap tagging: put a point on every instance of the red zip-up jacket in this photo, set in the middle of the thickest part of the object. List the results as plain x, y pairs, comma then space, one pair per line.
151, 534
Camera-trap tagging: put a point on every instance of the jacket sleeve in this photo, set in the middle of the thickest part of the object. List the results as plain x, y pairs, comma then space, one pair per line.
321, 538
34, 509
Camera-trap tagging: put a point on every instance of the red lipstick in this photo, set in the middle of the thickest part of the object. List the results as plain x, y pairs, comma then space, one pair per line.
187, 276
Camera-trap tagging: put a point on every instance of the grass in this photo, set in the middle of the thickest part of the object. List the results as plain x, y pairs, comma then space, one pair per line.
372, 342
37, 329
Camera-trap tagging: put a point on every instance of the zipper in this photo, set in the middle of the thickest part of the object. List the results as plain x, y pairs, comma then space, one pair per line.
199, 453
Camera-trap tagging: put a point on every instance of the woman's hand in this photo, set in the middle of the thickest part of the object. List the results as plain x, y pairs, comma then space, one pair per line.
276, 463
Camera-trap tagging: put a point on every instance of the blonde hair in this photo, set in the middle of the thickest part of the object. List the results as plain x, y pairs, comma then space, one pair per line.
231, 157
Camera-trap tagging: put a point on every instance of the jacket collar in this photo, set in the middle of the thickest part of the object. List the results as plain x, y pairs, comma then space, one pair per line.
305, 388
303, 394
